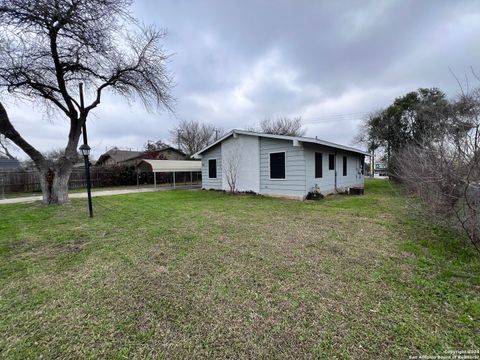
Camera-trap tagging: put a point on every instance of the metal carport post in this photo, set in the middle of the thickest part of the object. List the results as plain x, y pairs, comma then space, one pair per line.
172, 166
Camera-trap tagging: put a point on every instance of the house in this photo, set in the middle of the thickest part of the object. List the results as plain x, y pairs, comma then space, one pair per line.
116, 156
8, 164
380, 169
280, 165
165, 152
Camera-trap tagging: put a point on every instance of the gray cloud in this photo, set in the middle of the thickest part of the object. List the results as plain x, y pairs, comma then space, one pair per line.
236, 62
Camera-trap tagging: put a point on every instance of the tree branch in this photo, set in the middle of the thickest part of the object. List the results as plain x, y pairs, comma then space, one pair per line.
5, 150
60, 73
7, 129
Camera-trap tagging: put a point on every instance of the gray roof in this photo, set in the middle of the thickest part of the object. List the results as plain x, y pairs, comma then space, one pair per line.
119, 155
167, 147
285, 137
9, 163
162, 148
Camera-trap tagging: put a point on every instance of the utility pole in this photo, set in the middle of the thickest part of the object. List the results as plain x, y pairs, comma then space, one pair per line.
85, 149
372, 165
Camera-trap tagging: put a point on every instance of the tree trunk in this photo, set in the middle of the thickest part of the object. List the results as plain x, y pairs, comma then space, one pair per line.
54, 176
54, 184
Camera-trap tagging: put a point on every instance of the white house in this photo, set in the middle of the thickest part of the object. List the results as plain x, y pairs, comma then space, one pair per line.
280, 165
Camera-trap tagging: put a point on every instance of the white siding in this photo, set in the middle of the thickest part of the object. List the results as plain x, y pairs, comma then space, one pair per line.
327, 182
254, 167
213, 153
245, 151
354, 177
294, 183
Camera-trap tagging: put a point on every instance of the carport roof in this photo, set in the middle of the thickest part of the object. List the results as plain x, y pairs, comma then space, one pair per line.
171, 165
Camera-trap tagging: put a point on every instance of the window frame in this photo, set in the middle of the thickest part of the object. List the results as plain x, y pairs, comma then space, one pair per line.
345, 166
208, 168
321, 165
270, 166
331, 161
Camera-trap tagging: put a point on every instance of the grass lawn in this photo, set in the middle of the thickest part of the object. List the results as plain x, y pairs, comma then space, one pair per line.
205, 274
13, 195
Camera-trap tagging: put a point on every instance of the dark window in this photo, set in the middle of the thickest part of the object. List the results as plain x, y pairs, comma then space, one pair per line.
318, 165
344, 166
362, 165
277, 165
331, 162
212, 168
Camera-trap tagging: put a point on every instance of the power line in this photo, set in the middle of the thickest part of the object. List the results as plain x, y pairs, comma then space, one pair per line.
338, 117
326, 120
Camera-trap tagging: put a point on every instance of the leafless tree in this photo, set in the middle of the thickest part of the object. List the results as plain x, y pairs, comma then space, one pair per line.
155, 145
230, 167
282, 126
47, 48
53, 156
5, 147
193, 136
445, 173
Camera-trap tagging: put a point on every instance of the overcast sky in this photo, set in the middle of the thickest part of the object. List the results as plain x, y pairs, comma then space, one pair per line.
236, 62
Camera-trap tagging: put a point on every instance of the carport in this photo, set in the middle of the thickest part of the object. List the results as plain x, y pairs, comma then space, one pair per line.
168, 166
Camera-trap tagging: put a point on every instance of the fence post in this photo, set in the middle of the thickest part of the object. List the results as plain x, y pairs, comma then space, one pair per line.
2, 183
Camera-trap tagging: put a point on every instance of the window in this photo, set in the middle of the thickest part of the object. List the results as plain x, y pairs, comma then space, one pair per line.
344, 166
362, 166
318, 165
331, 162
277, 165
212, 168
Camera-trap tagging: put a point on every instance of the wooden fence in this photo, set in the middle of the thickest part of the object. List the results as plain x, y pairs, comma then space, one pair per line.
28, 180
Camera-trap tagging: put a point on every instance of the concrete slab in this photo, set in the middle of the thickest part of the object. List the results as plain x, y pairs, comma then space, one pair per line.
96, 193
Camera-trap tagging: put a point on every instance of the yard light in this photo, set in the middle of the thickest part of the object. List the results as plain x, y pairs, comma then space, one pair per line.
85, 150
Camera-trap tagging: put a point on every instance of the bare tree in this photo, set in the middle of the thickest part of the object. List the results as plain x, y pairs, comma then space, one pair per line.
230, 167
4, 147
367, 136
53, 155
155, 145
193, 136
282, 126
445, 173
48, 48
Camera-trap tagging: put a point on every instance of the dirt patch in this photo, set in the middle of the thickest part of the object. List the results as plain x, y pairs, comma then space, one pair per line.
70, 247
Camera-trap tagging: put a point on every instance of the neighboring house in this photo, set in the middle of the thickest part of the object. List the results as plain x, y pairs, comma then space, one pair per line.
281, 165
81, 164
166, 152
132, 158
8, 164
380, 169
117, 157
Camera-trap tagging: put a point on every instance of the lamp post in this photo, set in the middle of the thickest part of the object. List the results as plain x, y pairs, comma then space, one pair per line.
85, 150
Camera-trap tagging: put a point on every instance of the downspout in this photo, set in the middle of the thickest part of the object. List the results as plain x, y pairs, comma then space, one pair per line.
335, 170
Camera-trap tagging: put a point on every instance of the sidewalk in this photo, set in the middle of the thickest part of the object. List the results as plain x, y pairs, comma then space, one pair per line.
95, 193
